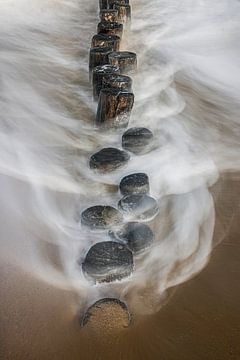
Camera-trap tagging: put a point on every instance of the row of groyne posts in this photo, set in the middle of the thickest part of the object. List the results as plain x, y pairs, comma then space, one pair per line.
125, 226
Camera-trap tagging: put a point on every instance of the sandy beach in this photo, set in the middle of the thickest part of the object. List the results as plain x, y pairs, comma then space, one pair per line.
199, 321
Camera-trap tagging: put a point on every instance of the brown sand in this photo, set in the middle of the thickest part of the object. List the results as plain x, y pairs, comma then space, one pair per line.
201, 320
106, 315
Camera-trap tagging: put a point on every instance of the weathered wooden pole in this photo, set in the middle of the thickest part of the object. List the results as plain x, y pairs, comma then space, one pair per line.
99, 74
98, 56
125, 60
124, 12
116, 81
102, 40
114, 108
103, 4
110, 15
110, 28
110, 3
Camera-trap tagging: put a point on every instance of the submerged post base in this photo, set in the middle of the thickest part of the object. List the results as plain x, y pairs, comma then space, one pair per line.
108, 261
107, 314
137, 236
137, 183
138, 207
137, 140
108, 159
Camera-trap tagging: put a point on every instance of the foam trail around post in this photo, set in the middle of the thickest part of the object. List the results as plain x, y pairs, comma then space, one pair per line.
186, 91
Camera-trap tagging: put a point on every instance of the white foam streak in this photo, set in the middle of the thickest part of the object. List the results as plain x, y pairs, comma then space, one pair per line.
186, 91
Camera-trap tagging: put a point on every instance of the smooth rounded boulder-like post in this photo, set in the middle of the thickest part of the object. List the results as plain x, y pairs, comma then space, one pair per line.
101, 217
137, 183
110, 28
138, 207
108, 261
108, 159
137, 140
125, 60
114, 108
98, 56
137, 236
99, 74
103, 40
106, 315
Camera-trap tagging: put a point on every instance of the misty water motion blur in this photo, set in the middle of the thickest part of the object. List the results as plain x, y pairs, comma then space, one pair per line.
186, 91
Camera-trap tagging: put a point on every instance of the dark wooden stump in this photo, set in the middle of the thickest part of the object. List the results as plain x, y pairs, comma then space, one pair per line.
110, 28
116, 81
137, 183
98, 76
110, 15
101, 217
108, 261
114, 108
125, 60
110, 3
98, 56
137, 140
124, 12
138, 207
106, 315
108, 159
102, 40
135, 235
103, 4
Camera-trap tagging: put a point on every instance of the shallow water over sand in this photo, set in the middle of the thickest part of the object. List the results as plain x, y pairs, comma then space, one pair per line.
186, 91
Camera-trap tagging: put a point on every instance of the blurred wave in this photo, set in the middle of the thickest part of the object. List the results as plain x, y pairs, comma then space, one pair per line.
186, 92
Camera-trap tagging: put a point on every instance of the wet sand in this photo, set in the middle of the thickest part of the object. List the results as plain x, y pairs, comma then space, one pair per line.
201, 319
